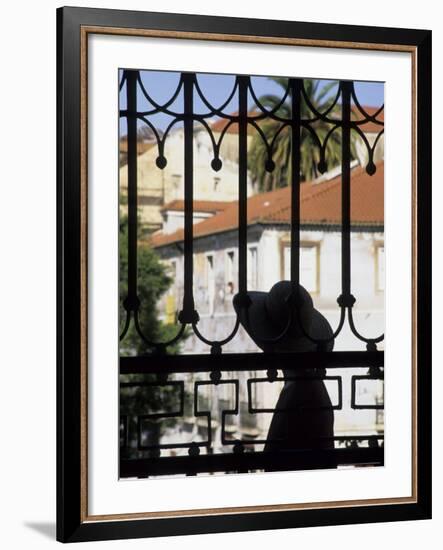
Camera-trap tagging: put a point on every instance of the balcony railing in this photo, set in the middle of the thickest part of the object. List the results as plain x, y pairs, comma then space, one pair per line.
155, 458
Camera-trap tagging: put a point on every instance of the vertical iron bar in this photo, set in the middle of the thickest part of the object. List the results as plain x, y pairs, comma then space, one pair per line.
131, 98
295, 85
187, 315
346, 88
243, 82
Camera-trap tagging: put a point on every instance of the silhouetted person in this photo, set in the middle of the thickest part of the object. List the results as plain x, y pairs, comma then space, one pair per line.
307, 425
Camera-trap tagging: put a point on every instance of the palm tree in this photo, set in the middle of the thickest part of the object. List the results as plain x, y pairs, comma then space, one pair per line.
270, 175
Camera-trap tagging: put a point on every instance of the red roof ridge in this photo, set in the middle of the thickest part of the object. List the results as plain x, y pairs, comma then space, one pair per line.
199, 205
370, 126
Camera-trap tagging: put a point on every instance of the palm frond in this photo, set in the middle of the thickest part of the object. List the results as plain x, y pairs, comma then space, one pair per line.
321, 98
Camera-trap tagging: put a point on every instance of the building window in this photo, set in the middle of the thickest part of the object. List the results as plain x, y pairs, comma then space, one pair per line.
210, 282
254, 391
173, 271
309, 266
171, 297
229, 272
380, 267
176, 181
252, 268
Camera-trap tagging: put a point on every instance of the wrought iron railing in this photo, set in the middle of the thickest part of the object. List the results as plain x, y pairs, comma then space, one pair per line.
154, 458
158, 366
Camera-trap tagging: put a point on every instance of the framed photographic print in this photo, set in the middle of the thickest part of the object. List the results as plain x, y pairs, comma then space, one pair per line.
244, 274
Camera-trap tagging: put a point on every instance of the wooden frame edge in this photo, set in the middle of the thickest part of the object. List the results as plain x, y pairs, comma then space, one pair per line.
251, 39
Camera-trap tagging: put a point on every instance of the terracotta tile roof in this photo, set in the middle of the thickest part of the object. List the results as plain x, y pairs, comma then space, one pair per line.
199, 206
220, 124
369, 127
142, 146
320, 204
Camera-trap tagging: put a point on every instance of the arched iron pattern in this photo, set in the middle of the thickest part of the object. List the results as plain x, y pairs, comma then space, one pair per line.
339, 115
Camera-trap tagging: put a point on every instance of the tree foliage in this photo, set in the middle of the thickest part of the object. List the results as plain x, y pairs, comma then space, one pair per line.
147, 395
152, 282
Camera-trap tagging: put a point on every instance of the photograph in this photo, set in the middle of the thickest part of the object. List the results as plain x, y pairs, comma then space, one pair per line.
251, 224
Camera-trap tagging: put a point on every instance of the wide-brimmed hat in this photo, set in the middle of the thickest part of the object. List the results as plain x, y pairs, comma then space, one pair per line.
278, 312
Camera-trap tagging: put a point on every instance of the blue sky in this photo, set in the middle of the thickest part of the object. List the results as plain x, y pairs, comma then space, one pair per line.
216, 88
